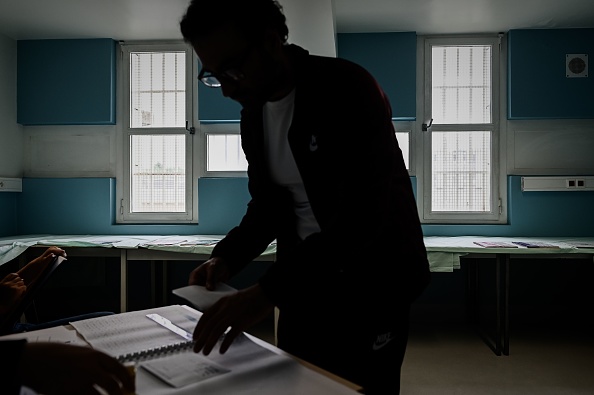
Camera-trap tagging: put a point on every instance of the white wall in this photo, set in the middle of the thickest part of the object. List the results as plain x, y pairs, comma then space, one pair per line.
11, 136
311, 25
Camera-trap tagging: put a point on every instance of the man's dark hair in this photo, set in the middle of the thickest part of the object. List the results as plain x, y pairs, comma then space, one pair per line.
252, 17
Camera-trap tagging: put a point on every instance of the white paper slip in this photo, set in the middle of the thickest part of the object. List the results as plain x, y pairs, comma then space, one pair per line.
183, 369
201, 297
170, 325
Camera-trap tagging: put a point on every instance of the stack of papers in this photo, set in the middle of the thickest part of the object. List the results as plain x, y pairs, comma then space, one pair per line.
535, 244
495, 244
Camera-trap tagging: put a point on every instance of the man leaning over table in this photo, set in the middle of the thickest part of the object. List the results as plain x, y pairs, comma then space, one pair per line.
327, 180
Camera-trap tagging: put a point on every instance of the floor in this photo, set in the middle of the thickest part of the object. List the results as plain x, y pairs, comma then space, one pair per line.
455, 359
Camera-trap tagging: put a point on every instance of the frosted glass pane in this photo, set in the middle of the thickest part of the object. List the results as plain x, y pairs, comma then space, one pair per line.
403, 142
224, 153
461, 84
461, 171
157, 82
158, 173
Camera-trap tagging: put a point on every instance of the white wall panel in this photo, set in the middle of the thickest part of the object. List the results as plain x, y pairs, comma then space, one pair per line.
11, 138
70, 151
551, 147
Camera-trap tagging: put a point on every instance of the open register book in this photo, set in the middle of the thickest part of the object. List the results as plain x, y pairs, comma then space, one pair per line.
166, 363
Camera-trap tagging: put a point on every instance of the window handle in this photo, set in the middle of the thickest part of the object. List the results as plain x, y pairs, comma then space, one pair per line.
190, 129
426, 127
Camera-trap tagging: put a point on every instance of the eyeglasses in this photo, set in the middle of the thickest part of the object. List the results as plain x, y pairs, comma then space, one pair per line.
213, 80
232, 74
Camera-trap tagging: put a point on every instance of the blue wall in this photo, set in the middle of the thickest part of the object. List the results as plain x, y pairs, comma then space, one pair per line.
87, 206
66, 82
8, 214
537, 84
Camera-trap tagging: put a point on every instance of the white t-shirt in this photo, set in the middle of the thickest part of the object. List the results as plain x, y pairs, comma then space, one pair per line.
278, 116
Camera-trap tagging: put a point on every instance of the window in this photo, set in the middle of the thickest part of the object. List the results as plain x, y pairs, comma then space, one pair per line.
156, 182
460, 114
223, 153
403, 138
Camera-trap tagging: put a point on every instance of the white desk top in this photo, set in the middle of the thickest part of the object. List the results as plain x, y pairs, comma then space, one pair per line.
264, 370
444, 252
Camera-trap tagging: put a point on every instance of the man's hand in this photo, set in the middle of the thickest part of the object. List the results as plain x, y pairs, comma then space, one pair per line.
54, 368
238, 311
210, 273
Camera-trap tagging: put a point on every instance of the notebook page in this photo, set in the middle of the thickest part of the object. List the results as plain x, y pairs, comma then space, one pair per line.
132, 332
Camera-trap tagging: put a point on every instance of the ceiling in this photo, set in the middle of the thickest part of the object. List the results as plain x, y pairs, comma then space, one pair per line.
158, 19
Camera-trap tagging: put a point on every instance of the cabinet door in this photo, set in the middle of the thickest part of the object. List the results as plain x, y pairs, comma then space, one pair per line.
66, 82
538, 85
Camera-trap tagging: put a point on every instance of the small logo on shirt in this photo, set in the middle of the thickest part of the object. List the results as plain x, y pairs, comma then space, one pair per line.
382, 340
313, 144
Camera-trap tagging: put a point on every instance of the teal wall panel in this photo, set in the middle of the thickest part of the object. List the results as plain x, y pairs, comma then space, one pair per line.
222, 203
8, 215
550, 213
66, 82
87, 206
391, 59
537, 84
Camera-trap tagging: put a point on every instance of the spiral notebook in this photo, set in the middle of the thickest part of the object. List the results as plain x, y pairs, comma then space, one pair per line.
156, 339
133, 333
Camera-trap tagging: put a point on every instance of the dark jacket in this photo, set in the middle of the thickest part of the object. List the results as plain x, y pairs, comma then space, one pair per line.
344, 145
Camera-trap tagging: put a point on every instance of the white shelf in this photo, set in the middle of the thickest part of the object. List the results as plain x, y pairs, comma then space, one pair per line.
561, 183
11, 185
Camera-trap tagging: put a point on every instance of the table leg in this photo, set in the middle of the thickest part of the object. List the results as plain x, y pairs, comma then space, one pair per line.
153, 283
506, 305
502, 338
123, 281
164, 281
498, 320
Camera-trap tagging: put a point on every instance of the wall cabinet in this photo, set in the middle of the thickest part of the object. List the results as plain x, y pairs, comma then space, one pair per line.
66, 82
538, 85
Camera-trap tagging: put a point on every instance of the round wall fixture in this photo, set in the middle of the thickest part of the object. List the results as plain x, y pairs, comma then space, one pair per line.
576, 65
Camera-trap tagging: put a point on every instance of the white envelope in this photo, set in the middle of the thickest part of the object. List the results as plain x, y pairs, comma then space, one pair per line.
200, 297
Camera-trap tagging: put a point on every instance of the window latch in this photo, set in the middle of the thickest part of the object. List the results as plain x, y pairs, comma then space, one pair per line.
427, 126
190, 129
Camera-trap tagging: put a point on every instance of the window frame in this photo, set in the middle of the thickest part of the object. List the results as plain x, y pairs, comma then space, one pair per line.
218, 128
498, 213
123, 186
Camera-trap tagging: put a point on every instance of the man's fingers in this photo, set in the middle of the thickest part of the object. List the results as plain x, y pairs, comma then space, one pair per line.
228, 340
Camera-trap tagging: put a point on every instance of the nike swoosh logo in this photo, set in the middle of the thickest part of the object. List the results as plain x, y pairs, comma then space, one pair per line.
377, 345
313, 144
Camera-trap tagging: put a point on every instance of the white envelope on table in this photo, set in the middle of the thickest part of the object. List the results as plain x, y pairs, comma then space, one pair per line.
200, 297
